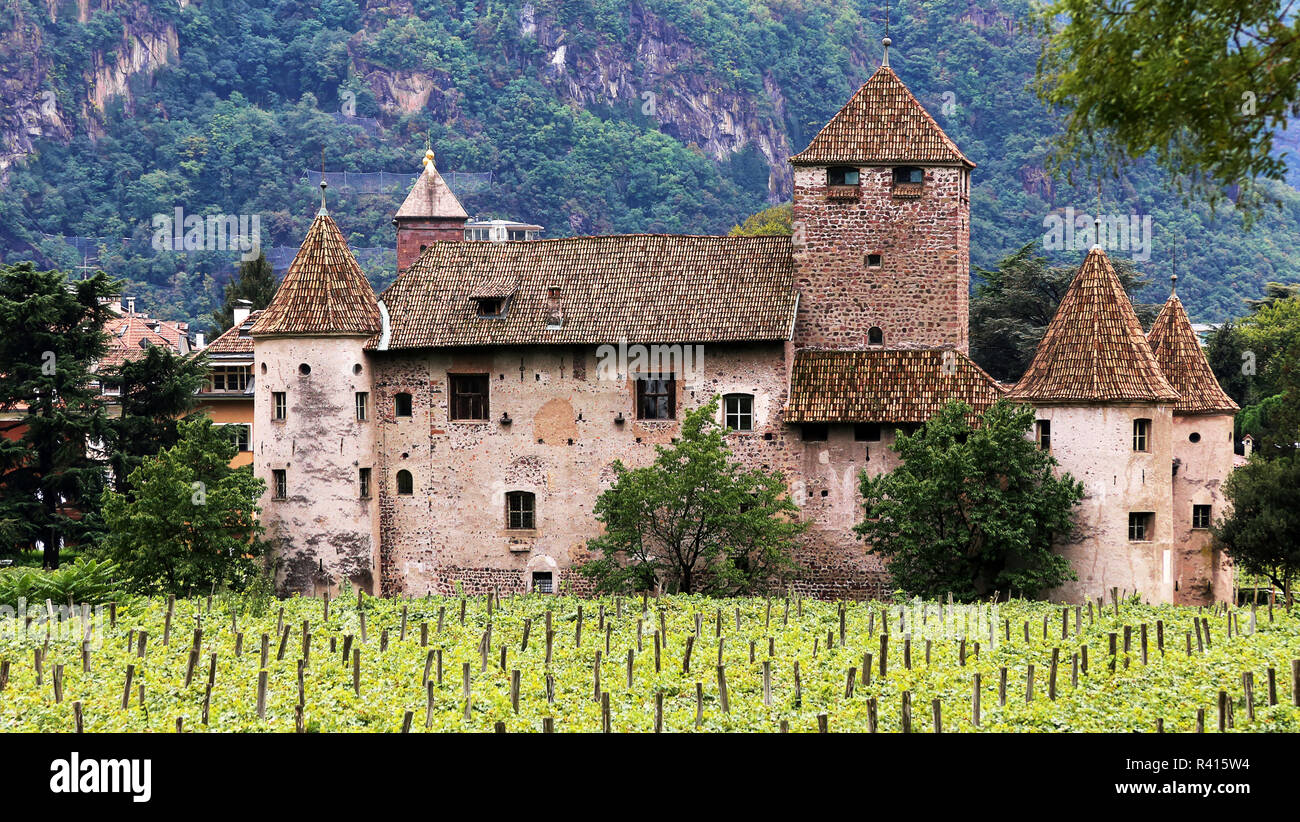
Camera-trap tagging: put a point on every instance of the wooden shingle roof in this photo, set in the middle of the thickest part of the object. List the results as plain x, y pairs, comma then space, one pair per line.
1178, 350
324, 291
1094, 349
885, 385
642, 288
882, 123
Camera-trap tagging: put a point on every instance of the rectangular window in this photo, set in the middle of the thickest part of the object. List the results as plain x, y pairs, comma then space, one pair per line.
228, 378
1141, 435
469, 396
1043, 433
363, 406
279, 484
1141, 525
866, 432
1200, 516
239, 434
363, 483
815, 431
279, 405
739, 412
520, 510
542, 583
656, 398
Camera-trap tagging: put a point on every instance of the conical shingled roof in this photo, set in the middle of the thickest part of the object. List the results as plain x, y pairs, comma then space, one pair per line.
1178, 350
1094, 349
431, 197
324, 292
882, 123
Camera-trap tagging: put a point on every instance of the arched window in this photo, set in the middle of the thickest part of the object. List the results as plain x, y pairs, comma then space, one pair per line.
521, 510
875, 336
405, 485
402, 405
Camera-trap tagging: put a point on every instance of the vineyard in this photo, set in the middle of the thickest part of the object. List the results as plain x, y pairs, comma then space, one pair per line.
673, 664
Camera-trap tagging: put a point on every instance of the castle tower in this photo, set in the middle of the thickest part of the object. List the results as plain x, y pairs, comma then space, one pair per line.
1202, 451
313, 414
882, 226
429, 213
1105, 411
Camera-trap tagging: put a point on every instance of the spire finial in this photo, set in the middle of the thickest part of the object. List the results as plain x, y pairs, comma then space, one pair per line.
1096, 221
886, 42
428, 160
1173, 278
323, 185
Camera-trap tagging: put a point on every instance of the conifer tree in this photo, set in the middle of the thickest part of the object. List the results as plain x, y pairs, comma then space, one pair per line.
255, 284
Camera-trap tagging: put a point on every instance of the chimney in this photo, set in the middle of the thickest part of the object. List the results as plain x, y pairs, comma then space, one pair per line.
200, 342
1247, 445
241, 311
130, 306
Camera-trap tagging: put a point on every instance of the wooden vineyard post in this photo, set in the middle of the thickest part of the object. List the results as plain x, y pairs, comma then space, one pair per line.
1029, 684
1295, 682
261, 695
548, 724
937, 708
823, 724
606, 723
884, 654
1200, 720
1272, 686
872, 725
722, 690
699, 704
78, 724
1002, 687
907, 712
659, 712
406, 722
975, 701
1248, 690
767, 682
126, 690
356, 671
514, 690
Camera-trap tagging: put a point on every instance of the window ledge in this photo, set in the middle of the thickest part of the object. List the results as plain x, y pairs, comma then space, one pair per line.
842, 192
908, 190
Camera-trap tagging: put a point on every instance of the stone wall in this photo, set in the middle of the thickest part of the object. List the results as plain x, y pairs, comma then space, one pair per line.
1095, 445
1202, 574
919, 294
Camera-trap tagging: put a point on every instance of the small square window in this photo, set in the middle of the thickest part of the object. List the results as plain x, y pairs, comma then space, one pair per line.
1201, 516
739, 412
908, 174
1142, 435
873, 260
279, 405
842, 176
520, 510
402, 404
279, 484
363, 483
542, 583
815, 431
1043, 434
866, 432
1141, 525
363, 403
469, 396
656, 397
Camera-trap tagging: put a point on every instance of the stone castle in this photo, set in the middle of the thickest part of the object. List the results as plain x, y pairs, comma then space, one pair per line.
457, 429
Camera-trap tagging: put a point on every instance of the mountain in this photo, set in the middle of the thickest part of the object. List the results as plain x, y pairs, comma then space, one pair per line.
590, 116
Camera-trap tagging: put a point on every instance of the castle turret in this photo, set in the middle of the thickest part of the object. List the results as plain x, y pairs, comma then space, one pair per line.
1104, 410
1202, 441
429, 213
882, 226
314, 442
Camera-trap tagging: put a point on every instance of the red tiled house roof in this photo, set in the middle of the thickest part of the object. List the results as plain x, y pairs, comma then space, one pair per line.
129, 337
236, 339
642, 288
885, 385
1178, 350
324, 291
882, 123
1094, 349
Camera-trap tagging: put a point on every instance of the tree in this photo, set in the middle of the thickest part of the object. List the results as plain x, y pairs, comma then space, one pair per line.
973, 509
156, 390
254, 284
53, 334
1203, 85
1013, 304
1262, 532
1233, 365
694, 520
774, 221
190, 521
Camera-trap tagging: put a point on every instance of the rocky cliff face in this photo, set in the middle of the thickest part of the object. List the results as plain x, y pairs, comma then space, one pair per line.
33, 106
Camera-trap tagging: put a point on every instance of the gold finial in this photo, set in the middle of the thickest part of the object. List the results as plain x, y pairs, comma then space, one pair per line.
886, 42
323, 185
428, 159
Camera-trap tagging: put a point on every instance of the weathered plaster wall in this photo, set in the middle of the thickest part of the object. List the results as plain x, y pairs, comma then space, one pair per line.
324, 531
920, 293
1095, 445
1202, 574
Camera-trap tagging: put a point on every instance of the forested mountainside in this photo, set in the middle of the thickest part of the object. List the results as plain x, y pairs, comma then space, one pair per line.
590, 116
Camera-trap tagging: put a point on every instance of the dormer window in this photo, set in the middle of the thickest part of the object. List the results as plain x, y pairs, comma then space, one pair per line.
491, 306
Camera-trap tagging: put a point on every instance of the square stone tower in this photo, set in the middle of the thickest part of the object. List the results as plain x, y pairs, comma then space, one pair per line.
882, 226
429, 214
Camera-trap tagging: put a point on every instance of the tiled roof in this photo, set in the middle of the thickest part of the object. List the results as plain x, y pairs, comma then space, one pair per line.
885, 385
1178, 350
644, 288
324, 291
1094, 349
431, 197
130, 336
881, 123
236, 339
